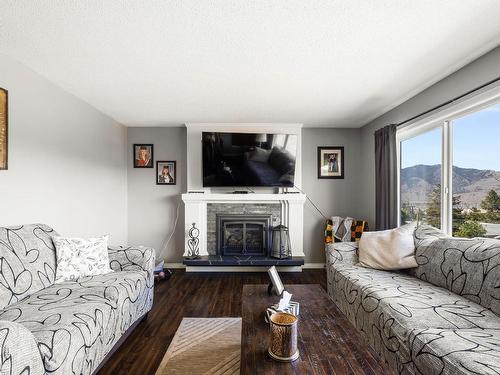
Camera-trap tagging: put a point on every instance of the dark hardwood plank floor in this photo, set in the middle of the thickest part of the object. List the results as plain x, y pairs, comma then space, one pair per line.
190, 295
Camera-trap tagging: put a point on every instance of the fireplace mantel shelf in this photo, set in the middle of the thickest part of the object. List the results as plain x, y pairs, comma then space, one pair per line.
250, 197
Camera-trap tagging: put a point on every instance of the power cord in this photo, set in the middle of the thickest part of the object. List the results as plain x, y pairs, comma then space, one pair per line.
310, 201
164, 246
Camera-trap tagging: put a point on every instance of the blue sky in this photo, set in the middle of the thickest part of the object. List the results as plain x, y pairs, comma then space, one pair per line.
476, 143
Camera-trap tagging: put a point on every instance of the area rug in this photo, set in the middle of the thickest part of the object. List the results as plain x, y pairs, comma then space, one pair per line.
210, 346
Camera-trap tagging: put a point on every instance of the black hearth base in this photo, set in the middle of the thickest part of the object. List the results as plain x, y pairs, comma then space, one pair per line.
241, 260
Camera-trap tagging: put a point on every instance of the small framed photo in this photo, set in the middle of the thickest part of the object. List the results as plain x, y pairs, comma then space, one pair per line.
331, 162
166, 172
276, 285
143, 156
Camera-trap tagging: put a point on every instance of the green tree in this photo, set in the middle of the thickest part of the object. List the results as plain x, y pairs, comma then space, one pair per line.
475, 215
491, 202
407, 213
433, 211
470, 229
457, 216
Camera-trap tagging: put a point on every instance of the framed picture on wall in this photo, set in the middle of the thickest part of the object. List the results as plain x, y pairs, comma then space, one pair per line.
330, 162
166, 172
143, 155
4, 119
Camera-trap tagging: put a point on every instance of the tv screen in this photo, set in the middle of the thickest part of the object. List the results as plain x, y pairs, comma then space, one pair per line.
248, 159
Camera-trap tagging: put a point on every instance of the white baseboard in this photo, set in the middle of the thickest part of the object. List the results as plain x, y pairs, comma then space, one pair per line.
175, 265
243, 268
240, 269
313, 265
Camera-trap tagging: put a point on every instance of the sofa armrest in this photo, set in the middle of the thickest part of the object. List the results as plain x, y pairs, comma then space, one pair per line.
132, 258
19, 353
344, 252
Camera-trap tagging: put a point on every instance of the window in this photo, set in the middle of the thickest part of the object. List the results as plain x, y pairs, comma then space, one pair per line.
476, 174
456, 154
420, 178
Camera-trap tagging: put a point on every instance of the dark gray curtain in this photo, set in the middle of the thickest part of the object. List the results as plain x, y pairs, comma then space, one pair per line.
386, 187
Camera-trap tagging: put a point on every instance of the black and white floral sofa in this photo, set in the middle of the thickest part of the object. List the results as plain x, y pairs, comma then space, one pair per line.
69, 327
439, 318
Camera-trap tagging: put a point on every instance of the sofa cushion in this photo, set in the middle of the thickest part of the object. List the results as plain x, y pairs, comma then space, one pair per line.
27, 261
468, 267
409, 302
77, 323
424, 235
456, 351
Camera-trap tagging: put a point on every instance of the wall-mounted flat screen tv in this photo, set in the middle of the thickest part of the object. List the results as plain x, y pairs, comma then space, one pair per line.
249, 159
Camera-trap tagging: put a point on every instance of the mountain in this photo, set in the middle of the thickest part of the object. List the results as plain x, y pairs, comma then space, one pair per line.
472, 185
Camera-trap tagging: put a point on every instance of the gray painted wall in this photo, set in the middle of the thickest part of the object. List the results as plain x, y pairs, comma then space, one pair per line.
66, 160
333, 197
151, 207
475, 74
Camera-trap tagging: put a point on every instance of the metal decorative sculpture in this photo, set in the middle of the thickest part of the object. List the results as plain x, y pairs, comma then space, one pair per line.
193, 242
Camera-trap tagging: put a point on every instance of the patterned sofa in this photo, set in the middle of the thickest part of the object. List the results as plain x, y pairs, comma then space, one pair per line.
439, 318
69, 327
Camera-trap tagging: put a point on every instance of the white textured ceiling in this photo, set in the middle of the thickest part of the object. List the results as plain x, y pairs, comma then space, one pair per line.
320, 62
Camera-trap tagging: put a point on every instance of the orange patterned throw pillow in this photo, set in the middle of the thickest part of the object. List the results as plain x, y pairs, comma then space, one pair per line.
357, 229
328, 231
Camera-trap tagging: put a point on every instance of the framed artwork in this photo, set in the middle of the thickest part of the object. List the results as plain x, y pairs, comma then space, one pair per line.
143, 155
331, 162
4, 123
166, 172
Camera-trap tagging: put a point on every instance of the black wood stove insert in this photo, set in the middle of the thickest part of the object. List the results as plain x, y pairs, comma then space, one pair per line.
243, 234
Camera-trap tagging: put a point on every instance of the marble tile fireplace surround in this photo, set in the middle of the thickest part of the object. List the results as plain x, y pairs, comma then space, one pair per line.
206, 209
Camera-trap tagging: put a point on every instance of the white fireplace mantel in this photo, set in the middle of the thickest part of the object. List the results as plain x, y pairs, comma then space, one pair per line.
292, 214
242, 198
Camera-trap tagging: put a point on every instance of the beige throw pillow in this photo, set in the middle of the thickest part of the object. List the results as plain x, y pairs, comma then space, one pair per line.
391, 249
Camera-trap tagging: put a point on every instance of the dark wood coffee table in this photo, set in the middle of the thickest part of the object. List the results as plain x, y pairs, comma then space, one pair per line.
328, 342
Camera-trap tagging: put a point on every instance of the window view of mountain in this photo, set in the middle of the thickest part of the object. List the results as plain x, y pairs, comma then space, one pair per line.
476, 198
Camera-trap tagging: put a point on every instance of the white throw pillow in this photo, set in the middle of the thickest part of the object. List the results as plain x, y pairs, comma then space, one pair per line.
391, 249
78, 257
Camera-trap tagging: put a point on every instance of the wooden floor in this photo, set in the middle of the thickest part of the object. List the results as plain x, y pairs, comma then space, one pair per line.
190, 295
